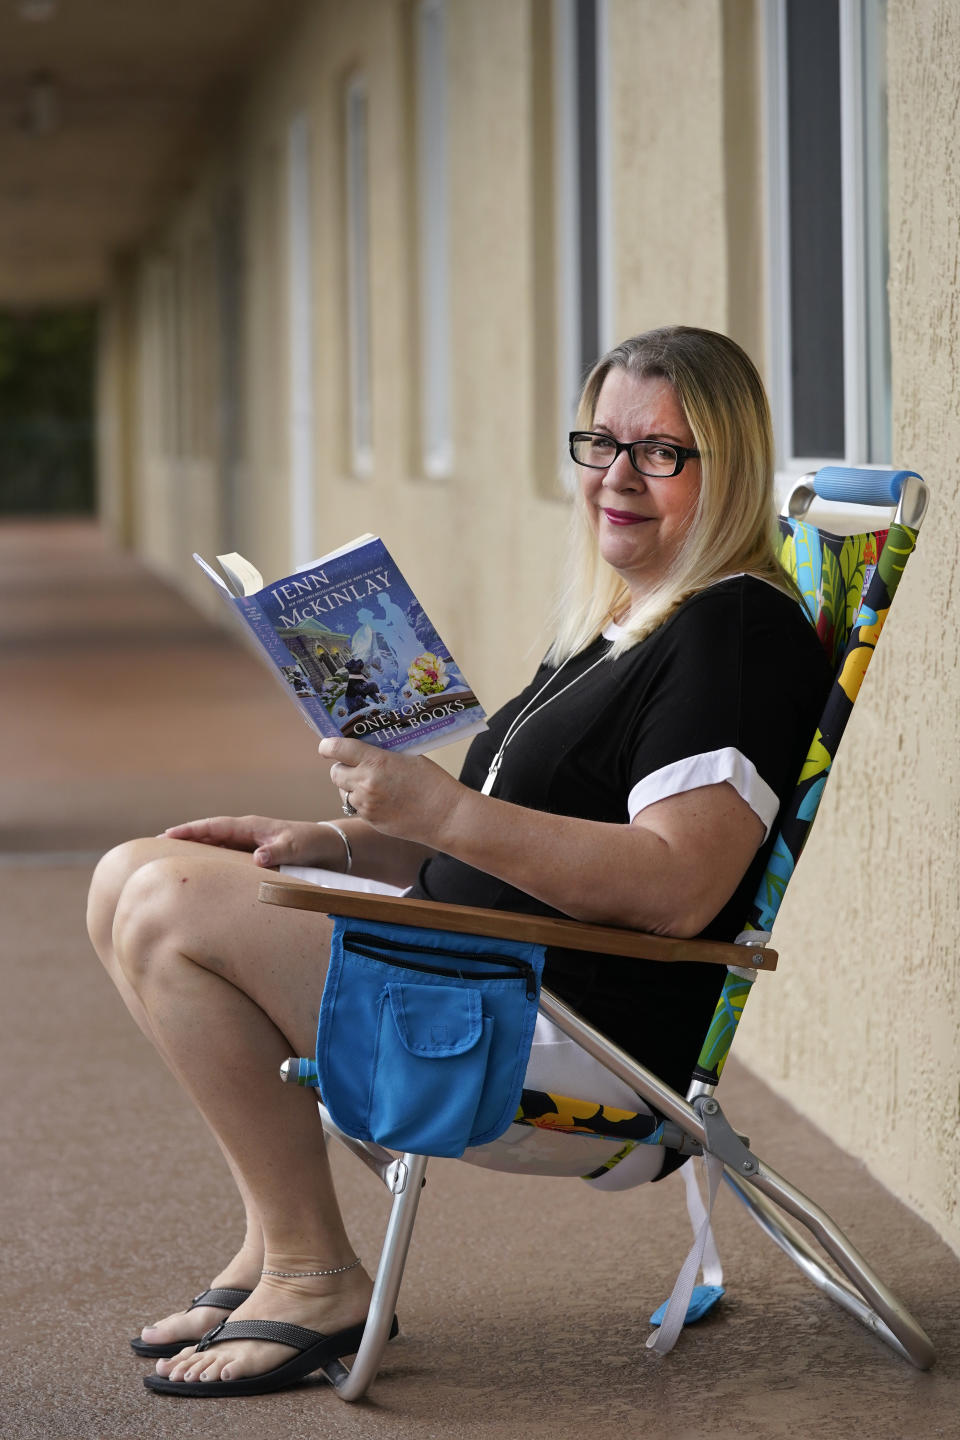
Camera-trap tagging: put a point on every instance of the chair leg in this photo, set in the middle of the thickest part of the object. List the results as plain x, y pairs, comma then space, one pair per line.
405, 1177
853, 1284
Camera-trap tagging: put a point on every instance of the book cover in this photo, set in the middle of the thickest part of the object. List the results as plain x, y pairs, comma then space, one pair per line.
354, 647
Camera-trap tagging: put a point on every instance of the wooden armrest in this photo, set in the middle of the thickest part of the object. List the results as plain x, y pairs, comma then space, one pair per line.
510, 925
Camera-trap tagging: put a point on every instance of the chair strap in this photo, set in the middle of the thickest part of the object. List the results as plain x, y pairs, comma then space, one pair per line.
700, 1216
702, 1254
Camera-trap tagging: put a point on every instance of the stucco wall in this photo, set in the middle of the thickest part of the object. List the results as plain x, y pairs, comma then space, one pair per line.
861, 1024
667, 119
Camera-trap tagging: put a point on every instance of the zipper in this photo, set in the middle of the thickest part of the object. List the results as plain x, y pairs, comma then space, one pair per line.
373, 946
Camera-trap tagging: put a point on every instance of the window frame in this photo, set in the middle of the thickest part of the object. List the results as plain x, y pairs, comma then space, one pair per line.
357, 256
570, 169
300, 340
865, 250
434, 315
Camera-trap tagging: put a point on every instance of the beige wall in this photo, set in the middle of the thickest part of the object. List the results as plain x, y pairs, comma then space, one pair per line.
861, 1024
867, 1026
669, 163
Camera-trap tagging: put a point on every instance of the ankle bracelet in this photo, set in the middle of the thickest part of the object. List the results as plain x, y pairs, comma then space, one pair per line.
304, 1274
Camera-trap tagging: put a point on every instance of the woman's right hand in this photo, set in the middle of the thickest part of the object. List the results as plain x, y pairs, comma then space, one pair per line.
272, 842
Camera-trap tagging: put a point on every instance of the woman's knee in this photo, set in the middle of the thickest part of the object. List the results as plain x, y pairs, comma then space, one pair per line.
148, 913
110, 878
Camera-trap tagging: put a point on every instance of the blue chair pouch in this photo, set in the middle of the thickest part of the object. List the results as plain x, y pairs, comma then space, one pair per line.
424, 1035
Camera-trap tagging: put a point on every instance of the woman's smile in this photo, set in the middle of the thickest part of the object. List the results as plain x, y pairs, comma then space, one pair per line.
624, 517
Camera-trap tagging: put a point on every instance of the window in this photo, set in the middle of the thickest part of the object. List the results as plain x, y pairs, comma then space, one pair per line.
828, 311
199, 358
583, 230
150, 367
357, 214
300, 335
163, 341
433, 241
231, 346
267, 419
572, 238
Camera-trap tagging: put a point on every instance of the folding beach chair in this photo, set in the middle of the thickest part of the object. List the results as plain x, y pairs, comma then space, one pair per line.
847, 584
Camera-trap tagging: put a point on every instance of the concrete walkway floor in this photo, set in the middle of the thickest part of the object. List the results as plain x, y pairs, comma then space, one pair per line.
524, 1308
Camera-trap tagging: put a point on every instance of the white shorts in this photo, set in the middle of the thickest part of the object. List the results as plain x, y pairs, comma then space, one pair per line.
557, 1064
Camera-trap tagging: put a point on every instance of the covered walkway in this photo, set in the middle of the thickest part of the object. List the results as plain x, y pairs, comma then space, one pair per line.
524, 1311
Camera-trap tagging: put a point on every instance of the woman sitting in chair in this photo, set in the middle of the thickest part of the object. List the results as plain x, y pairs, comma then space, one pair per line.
636, 781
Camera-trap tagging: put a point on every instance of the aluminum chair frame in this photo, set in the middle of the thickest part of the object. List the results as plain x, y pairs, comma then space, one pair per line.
795, 1223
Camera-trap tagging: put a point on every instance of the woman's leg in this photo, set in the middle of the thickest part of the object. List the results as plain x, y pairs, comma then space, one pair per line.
242, 1269
228, 988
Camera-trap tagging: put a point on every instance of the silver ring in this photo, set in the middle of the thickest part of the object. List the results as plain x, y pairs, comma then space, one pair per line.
347, 808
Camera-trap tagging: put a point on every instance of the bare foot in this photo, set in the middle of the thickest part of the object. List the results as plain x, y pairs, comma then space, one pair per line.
296, 1301
242, 1273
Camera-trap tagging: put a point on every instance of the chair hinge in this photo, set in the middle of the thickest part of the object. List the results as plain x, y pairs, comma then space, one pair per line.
722, 1140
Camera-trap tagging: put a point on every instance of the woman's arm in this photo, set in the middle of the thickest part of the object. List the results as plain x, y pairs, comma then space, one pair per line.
670, 872
273, 843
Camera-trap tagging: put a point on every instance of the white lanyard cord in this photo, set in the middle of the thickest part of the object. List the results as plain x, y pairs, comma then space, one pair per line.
520, 720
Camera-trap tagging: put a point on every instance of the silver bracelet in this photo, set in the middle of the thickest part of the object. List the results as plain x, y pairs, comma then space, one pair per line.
346, 844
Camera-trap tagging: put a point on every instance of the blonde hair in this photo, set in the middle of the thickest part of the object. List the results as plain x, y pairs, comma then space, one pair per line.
733, 525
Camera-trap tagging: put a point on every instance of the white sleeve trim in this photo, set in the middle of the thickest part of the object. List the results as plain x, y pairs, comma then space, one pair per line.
711, 768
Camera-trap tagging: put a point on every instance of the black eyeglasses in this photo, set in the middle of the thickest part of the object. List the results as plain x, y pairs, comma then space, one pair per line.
648, 457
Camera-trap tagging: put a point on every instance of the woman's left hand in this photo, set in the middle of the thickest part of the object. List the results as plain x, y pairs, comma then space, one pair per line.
407, 796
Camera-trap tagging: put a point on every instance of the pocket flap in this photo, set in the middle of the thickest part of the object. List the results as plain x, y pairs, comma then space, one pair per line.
436, 1020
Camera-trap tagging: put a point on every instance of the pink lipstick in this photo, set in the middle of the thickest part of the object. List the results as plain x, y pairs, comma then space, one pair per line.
624, 517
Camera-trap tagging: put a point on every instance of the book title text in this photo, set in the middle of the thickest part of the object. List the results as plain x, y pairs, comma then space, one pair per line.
309, 595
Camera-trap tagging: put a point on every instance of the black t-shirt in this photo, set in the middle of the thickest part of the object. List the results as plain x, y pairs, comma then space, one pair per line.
730, 687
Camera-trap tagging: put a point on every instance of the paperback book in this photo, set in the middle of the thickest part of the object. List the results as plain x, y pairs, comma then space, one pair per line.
355, 649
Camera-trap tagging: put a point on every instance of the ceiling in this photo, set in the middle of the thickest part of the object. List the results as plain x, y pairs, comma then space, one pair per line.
105, 108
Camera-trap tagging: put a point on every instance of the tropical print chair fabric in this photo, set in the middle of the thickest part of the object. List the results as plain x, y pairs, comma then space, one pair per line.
847, 584
583, 1117
547, 1111
832, 572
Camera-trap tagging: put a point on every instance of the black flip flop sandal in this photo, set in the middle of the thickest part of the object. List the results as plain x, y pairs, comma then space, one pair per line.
223, 1298
315, 1351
